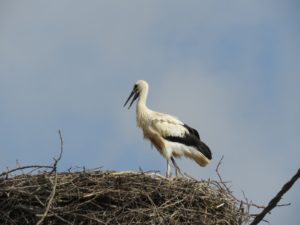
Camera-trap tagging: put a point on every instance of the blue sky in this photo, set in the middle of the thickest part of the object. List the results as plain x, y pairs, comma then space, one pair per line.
229, 69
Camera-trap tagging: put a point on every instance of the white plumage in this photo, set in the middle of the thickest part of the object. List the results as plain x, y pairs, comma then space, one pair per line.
171, 137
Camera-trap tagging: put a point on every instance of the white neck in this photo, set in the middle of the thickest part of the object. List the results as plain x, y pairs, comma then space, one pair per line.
143, 97
142, 111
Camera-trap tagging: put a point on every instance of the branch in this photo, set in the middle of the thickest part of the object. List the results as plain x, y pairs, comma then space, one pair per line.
242, 203
22, 168
56, 160
223, 183
51, 197
272, 204
217, 169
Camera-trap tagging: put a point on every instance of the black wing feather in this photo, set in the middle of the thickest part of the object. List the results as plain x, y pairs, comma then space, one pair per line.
192, 131
192, 138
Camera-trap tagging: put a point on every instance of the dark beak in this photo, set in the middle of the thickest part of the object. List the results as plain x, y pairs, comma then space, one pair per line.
135, 95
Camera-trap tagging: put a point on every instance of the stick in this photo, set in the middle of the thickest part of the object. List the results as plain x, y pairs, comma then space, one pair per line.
272, 204
22, 168
51, 197
60, 154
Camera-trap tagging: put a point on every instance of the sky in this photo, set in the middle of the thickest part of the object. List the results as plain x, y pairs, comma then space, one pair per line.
230, 69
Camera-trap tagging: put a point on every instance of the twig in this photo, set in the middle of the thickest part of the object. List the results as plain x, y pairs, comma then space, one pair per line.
273, 203
56, 160
220, 178
22, 168
51, 197
247, 203
217, 169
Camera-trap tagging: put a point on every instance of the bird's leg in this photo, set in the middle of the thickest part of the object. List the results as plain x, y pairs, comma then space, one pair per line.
168, 169
177, 169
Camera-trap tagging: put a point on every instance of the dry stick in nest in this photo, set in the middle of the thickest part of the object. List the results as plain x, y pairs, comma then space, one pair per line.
248, 204
52, 194
273, 203
223, 183
23, 168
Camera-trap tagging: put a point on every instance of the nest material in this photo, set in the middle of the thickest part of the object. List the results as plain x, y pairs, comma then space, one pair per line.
98, 197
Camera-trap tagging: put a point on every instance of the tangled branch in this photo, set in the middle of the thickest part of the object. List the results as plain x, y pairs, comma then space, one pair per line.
107, 197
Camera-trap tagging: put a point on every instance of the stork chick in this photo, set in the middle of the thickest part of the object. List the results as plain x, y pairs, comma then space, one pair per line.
171, 137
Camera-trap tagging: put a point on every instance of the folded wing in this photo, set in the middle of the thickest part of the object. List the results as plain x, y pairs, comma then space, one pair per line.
172, 129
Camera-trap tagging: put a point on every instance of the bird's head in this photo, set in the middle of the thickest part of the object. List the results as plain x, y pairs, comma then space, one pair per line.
139, 87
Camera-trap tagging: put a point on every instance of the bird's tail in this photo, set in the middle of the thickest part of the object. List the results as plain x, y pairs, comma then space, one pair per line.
204, 149
201, 156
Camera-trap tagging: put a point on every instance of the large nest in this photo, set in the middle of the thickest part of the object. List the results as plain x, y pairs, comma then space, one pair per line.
102, 197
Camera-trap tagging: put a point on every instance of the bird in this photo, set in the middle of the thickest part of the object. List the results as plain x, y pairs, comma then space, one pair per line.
171, 137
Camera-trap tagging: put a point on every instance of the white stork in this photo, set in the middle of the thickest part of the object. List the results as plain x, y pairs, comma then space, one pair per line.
171, 137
